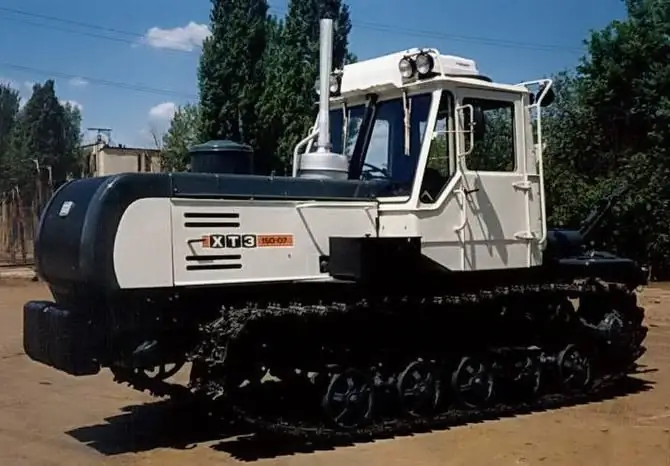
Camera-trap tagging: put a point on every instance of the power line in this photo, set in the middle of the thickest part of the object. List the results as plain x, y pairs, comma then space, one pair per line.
71, 31
473, 39
95, 27
172, 93
90, 34
102, 82
374, 26
422, 33
67, 21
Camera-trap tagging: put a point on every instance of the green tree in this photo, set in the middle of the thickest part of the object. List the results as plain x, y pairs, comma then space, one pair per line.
18, 158
230, 71
614, 127
73, 158
269, 107
9, 110
290, 107
46, 133
183, 133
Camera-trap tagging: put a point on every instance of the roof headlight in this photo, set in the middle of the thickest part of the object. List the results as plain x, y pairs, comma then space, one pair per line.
334, 84
424, 63
406, 67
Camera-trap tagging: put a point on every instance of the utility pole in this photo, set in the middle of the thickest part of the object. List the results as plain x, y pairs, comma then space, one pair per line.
98, 140
100, 132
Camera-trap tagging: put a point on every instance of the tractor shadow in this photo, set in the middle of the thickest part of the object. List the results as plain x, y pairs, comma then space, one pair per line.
176, 424
184, 425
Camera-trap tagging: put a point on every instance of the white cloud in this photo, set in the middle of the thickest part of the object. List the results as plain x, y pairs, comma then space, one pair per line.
7, 82
78, 82
164, 111
180, 38
29, 85
72, 103
144, 135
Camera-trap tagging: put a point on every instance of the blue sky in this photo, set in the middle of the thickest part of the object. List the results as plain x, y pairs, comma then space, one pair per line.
130, 44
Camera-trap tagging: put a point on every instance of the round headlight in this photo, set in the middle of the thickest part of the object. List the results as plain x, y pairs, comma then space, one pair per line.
406, 68
424, 63
334, 84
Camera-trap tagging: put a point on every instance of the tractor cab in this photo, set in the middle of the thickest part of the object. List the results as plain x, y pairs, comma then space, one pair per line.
380, 109
462, 153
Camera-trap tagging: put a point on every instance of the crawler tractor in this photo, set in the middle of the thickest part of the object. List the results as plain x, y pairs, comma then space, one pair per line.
403, 273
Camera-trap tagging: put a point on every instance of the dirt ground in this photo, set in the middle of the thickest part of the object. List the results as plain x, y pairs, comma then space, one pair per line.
49, 418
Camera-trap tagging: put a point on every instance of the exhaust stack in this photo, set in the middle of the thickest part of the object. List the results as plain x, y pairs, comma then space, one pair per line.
324, 164
325, 67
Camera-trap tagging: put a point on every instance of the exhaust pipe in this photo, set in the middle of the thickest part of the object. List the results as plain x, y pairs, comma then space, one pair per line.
326, 65
323, 164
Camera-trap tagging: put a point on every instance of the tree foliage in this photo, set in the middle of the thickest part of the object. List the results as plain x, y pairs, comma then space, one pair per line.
292, 108
230, 72
9, 110
44, 133
610, 126
257, 74
183, 133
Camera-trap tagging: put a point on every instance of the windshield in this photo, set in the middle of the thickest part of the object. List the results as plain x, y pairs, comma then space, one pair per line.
385, 157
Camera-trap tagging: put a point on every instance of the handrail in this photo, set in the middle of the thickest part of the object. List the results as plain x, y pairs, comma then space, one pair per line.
460, 193
538, 151
471, 134
458, 177
296, 155
464, 216
306, 205
367, 207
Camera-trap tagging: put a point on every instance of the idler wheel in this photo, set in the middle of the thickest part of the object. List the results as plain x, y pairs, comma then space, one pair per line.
472, 382
574, 368
164, 371
529, 374
418, 389
349, 399
562, 312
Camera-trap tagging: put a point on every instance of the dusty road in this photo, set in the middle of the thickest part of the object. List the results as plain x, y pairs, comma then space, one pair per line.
48, 418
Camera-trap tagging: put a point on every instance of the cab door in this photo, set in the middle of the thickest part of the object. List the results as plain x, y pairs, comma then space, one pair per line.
495, 192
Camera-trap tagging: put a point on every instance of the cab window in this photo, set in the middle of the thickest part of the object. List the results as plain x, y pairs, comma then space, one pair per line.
441, 164
386, 157
494, 148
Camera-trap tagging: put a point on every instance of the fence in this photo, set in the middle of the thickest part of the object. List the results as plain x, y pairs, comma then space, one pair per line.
18, 223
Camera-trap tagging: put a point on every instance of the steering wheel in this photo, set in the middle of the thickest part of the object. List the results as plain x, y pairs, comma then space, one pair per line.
368, 176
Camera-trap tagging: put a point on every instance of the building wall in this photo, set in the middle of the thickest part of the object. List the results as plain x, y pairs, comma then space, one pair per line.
109, 164
112, 160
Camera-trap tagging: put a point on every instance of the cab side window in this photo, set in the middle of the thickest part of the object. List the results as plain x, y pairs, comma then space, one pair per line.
440, 164
494, 148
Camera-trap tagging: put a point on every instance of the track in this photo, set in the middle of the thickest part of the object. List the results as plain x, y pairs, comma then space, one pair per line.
239, 330
45, 422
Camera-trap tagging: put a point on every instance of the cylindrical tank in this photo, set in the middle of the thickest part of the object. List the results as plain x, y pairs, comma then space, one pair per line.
222, 157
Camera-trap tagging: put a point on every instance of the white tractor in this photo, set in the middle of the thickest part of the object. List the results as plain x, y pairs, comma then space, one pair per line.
404, 273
